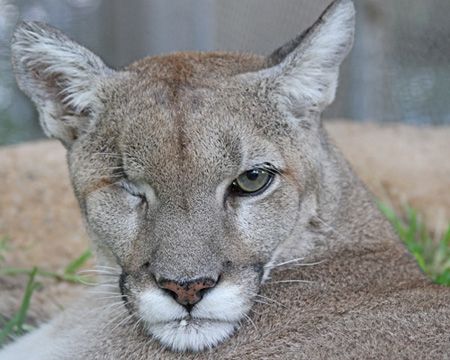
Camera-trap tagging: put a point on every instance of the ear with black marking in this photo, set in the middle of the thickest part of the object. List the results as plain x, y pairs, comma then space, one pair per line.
60, 76
304, 72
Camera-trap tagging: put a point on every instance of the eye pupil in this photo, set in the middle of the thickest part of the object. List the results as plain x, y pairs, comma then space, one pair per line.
252, 174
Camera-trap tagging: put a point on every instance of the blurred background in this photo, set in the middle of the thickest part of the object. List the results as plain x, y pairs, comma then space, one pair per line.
398, 71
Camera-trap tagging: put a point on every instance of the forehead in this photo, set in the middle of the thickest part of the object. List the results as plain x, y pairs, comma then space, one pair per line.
181, 116
203, 137
186, 137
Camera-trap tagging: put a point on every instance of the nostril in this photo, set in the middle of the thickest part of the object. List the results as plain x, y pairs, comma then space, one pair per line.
170, 292
202, 292
146, 265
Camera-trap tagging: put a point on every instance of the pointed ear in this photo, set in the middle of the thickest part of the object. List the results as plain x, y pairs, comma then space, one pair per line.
60, 76
304, 72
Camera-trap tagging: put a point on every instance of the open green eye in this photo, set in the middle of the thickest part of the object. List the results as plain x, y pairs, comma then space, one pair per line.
252, 182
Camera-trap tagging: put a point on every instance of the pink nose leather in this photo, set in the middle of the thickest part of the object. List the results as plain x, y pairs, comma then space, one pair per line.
187, 293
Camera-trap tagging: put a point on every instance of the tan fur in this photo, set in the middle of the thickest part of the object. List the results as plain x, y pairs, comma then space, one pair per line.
176, 131
369, 304
40, 168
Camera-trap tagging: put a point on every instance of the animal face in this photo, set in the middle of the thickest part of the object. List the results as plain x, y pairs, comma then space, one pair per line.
192, 170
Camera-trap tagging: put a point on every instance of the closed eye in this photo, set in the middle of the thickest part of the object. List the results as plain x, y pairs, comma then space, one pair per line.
133, 190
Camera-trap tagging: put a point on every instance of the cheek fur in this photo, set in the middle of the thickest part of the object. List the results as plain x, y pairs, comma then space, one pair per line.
113, 218
265, 224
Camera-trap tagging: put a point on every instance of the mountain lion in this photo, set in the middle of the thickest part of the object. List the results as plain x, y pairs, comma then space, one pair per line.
225, 224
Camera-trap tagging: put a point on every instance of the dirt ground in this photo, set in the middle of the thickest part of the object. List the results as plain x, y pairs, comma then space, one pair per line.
401, 164
39, 214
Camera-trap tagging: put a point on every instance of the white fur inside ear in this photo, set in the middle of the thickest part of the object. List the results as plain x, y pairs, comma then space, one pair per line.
309, 73
52, 55
60, 76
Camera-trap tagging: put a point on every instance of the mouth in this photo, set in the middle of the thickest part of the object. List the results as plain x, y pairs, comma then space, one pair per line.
190, 321
210, 322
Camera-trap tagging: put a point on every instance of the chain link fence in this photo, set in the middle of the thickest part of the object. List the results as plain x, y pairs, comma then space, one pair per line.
399, 69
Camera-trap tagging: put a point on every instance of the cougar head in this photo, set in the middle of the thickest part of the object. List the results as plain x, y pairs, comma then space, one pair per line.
192, 169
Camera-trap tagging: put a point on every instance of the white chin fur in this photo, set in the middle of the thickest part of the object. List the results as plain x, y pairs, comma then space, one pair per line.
191, 335
211, 321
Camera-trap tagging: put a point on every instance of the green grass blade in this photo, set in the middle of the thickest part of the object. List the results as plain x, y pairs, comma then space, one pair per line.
49, 274
432, 256
76, 264
69, 273
8, 330
446, 238
31, 286
3, 247
15, 326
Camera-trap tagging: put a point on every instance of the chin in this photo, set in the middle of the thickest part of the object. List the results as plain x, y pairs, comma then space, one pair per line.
191, 334
213, 320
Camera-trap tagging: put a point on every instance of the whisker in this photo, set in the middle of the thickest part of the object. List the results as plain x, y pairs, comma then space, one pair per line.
117, 296
108, 285
263, 302
100, 272
123, 321
108, 267
107, 154
312, 263
299, 265
114, 319
257, 312
116, 304
102, 308
284, 263
101, 269
87, 283
271, 300
100, 284
251, 322
329, 227
134, 328
104, 292
291, 281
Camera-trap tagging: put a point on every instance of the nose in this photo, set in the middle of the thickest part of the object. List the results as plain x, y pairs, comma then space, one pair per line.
187, 293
